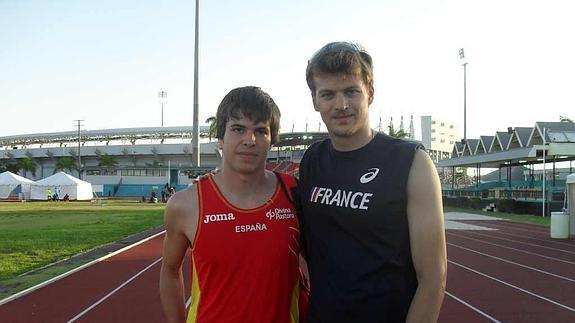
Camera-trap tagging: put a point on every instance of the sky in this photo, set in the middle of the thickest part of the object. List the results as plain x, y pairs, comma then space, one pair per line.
105, 61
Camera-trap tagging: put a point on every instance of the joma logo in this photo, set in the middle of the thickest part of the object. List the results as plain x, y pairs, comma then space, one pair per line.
219, 217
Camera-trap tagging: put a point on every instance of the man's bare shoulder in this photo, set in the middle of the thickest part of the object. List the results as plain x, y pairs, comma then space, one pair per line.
183, 205
422, 165
423, 186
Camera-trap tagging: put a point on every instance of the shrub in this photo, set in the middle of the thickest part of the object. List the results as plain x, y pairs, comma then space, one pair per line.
504, 205
462, 201
475, 203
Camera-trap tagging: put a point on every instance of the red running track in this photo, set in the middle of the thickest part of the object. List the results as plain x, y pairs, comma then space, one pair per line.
514, 273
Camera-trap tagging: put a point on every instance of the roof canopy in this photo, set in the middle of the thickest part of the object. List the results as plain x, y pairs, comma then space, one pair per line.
62, 184
517, 146
60, 179
11, 178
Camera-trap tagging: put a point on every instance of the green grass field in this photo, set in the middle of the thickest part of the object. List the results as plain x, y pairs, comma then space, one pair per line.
523, 218
35, 234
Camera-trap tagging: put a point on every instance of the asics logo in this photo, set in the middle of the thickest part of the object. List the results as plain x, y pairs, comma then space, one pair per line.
369, 176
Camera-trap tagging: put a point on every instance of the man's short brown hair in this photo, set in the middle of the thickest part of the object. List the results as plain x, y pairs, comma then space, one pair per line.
252, 103
341, 58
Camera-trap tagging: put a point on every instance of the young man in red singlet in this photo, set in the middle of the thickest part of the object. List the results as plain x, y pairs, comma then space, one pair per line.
240, 224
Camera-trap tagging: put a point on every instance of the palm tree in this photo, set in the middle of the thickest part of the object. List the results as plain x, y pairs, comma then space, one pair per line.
565, 119
396, 133
10, 167
213, 130
107, 161
66, 163
28, 165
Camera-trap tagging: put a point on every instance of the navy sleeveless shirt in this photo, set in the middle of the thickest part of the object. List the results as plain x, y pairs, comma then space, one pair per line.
354, 220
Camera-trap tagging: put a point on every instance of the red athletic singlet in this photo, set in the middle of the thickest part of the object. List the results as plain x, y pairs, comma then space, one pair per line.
245, 261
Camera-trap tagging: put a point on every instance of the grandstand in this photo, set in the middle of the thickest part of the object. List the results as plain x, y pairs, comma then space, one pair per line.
134, 162
532, 164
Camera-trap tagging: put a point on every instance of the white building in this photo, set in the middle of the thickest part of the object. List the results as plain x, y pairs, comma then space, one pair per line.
438, 136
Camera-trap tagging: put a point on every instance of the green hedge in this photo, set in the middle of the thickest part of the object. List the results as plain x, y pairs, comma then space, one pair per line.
503, 205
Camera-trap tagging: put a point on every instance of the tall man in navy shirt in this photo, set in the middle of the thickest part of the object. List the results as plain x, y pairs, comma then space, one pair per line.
371, 206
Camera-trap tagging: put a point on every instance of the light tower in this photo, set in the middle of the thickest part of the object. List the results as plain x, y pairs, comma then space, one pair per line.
464, 64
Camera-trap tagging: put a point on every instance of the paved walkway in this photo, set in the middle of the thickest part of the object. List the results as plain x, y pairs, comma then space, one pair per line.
452, 221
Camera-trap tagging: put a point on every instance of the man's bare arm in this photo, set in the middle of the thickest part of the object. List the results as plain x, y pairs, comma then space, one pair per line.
180, 219
427, 237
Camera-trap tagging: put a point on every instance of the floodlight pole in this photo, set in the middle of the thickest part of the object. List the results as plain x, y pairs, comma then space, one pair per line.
195, 129
162, 95
544, 175
462, 57
79, 152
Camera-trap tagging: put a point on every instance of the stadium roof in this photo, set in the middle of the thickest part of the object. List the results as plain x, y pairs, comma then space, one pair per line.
517, 146
300, 138
103, 135
134, 134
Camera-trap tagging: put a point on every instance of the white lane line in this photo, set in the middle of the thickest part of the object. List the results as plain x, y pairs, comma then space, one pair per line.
511, 248
514, 263
521, 242
472, 307
544, 233
33, 288
515, 287
113, 292
558, 243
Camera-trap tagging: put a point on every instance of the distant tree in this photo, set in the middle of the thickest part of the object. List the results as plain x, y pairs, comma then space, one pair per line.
11, 167
66, 163
396, 133
212, 131
107, 161
565, 119
28, 165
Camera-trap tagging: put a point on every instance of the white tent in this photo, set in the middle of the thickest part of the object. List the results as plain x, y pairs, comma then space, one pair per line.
76, 189
12, 184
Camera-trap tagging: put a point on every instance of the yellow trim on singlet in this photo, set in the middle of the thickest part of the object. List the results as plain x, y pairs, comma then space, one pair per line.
294, 306
193, 311
200, 212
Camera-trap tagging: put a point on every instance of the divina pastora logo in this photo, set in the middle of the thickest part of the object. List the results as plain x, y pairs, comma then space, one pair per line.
280, 214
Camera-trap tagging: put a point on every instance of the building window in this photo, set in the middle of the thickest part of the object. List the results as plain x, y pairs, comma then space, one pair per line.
433, 139
433, 122
451, 127
432, 130
151, 172
442, 124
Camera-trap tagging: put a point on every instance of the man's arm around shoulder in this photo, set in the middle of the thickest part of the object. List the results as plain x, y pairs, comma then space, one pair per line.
180, 218
427, 238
